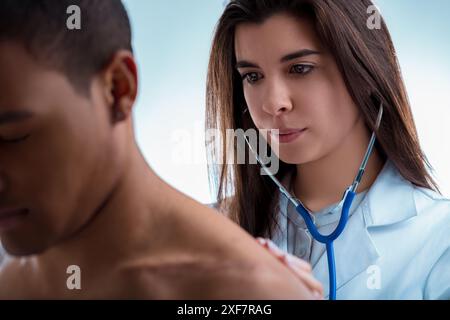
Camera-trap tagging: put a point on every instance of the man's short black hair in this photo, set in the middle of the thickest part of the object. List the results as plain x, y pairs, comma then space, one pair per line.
40, 26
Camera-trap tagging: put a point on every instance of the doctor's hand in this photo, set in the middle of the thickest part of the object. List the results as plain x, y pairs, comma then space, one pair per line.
301, 268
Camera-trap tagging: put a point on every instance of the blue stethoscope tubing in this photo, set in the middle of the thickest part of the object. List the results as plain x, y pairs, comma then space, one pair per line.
348, 198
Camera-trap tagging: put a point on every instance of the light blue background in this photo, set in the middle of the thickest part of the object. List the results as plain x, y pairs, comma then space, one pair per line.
172, 40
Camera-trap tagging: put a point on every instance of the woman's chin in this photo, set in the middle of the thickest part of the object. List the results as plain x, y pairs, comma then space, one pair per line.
293, 158
293, 154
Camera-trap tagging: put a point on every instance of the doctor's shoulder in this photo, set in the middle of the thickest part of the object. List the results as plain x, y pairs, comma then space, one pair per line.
433, 214
433, 217
433, 206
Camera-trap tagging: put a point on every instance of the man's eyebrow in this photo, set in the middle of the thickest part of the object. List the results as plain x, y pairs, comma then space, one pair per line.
14, 116
298, 54
286, 58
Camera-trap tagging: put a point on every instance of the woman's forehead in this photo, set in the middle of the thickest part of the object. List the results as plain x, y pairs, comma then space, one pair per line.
277, 36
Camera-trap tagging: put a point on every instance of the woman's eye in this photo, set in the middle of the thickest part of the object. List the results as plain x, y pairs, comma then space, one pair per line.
251, 77
302, 69
14, 140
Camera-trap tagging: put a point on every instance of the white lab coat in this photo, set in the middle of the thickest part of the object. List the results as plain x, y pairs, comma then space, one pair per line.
396, 244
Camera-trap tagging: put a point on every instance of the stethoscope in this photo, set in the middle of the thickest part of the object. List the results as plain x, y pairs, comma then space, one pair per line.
347, 199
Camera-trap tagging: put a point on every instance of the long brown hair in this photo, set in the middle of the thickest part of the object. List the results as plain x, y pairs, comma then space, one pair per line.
367, 61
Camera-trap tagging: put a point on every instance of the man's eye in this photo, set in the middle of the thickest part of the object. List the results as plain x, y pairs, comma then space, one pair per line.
301, 69
14, 140
252, 77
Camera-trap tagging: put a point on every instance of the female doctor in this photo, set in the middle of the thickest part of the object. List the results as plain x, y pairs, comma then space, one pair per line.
318, 72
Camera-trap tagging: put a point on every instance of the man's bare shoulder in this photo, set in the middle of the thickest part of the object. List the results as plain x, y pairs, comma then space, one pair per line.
200, 254
223, 206
208, 278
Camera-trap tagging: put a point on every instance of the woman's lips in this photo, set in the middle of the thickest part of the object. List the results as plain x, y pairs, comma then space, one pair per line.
288, 135
10, 218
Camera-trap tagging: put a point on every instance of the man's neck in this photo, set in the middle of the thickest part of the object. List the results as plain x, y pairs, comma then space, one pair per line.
321, 183
120, 230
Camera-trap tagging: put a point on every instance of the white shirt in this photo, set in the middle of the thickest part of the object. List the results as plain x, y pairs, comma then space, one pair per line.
396, 244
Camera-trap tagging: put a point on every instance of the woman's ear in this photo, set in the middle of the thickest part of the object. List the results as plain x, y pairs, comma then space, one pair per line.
121, 85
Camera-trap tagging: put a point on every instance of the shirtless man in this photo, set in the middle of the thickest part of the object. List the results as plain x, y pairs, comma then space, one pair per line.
76, 191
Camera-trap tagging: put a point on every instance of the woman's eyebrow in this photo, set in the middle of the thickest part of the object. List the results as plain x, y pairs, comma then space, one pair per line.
246, 64
291, 56
298, 54
14, 116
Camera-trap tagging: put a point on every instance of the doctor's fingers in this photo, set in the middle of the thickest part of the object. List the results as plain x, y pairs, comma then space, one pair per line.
292, 260
301, 268
308, 279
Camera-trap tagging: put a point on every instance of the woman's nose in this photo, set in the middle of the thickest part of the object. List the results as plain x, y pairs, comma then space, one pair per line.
277, 100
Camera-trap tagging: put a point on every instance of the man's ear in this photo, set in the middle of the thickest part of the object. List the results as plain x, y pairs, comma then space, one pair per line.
121, 82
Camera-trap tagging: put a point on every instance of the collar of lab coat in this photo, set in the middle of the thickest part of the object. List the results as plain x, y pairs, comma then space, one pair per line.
389, 200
